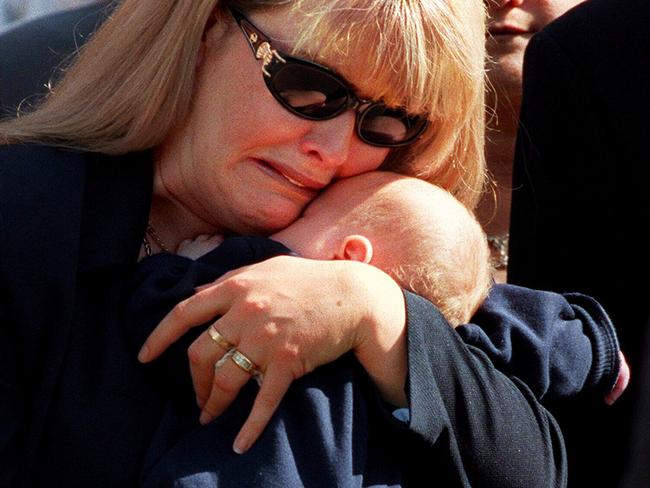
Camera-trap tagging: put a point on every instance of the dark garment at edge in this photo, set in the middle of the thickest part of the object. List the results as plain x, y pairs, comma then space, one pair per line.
76, 411
581, 205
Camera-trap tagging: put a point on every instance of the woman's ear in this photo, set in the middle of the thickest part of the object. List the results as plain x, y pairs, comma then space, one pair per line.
355, 248
214, 18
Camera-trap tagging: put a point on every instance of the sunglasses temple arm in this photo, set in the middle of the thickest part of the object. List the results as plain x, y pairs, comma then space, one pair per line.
253, 35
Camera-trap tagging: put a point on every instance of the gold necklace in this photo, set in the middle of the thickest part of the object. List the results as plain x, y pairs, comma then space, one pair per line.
151, 232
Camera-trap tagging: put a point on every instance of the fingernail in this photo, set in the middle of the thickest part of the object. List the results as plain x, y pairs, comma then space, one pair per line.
204, 418
240, 446
143, 355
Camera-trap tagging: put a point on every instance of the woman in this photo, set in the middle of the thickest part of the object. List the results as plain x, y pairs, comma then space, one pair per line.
238, 136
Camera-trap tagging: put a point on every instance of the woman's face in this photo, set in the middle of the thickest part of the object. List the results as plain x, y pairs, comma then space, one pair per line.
243, 162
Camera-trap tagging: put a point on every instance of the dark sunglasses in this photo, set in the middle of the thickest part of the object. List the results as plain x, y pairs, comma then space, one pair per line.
315, 92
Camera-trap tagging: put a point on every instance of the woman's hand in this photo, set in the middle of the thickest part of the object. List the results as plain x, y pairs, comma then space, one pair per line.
288, 315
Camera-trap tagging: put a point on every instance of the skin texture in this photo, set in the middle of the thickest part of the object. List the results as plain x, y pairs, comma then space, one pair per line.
218, 173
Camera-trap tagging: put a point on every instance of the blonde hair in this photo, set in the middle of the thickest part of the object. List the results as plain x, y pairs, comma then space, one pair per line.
133, 81
423, 238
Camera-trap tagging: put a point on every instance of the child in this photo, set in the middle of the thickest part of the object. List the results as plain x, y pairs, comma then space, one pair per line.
414, 231
428, 242
433, 246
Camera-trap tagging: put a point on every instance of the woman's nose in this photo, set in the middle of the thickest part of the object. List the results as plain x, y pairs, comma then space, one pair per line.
329, 141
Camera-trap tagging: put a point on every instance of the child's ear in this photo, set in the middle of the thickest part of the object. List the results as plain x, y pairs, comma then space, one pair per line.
355, 248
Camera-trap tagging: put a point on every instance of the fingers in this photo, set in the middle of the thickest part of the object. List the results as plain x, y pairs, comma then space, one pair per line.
196, 310
273, 389
621, 381
204, 353
227, 380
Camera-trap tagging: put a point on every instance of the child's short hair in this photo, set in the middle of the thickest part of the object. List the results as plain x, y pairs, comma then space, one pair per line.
426, 240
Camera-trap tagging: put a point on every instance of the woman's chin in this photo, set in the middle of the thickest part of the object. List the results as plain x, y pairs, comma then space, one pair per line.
275, 218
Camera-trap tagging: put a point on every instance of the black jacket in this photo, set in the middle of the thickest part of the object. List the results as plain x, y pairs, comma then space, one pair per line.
581, 206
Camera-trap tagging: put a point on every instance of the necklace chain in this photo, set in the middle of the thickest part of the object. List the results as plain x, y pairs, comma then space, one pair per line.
499, 247
151, 232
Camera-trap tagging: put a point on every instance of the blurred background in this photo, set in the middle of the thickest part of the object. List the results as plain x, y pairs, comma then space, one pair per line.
12, 11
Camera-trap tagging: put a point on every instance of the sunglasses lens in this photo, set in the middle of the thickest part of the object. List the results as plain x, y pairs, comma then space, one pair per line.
382, 126
314, 93
309, 91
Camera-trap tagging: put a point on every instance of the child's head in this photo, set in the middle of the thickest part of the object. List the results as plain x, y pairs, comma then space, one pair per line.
414, 231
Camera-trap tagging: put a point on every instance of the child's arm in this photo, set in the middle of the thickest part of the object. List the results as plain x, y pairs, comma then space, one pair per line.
559, 345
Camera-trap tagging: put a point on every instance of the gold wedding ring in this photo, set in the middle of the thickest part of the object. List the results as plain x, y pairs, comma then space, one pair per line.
244, 363
219, 339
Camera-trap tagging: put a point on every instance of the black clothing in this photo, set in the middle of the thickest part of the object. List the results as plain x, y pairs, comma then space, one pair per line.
71, 227
75, 411
637, 474
581, 206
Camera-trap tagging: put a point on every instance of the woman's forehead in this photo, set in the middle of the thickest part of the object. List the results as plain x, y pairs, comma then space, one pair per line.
290, 32
324, 39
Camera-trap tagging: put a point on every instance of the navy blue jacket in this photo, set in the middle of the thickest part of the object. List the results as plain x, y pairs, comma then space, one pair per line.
76, 409
559, 345
558, 348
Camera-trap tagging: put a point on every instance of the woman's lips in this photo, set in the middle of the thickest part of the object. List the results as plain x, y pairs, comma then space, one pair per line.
507, 30
297, 182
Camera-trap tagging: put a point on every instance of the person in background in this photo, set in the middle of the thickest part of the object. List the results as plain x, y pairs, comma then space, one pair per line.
33, 53
581, 209
511, 24
18, 10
